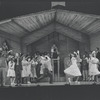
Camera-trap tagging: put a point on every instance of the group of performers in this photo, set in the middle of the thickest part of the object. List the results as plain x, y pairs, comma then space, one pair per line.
25, 69
90, 66
21, 68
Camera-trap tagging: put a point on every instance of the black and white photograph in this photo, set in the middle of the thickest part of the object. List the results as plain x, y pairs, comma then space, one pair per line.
50, 44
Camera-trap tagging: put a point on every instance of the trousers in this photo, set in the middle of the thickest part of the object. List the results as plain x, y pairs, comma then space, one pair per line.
3, 73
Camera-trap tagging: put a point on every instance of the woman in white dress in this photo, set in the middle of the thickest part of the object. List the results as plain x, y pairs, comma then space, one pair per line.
73, 70
79, 60
33, 68
24, 71
11, 72
93, 66
29, 70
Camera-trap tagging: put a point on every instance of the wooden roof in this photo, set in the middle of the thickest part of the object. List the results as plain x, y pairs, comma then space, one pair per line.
26, 25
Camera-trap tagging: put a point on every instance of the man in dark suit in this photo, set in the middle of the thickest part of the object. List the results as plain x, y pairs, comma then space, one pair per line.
18, 69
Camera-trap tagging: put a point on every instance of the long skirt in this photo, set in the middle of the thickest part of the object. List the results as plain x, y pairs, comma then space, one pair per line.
93, 70
24, 71
73, 70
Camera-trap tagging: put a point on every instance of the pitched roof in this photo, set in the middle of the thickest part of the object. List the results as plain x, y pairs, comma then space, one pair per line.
23, 26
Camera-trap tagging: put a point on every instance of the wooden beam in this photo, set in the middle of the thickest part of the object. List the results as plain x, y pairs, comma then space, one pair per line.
38, 34
83, 14
86, 27
9, 36
20, 26
76, 35
36, 14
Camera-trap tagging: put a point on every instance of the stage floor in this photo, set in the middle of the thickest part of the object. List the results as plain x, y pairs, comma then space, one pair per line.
55, 84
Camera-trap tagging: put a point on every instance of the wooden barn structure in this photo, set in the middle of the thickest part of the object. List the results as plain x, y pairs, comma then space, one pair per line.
69, 30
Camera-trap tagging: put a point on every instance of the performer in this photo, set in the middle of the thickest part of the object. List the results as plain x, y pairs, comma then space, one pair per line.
3, 68
85, 68
38, 66
93, 67
29, 70
24, 71
11, 72
67, 63
79, 60
5, 46
47, 70
73, 70
18, 69
55, 55
33, 69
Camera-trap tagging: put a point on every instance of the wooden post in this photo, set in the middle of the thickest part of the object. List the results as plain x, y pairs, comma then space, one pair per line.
58, 69
53, 68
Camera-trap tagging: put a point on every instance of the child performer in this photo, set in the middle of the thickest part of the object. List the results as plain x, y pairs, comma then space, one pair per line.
11, 72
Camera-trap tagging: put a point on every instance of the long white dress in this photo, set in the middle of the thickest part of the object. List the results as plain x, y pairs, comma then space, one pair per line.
93, 66
24, 66
11, 72
29, 68
73, 70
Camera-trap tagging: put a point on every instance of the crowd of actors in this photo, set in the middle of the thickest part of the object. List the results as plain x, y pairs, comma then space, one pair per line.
21, 68
87, 66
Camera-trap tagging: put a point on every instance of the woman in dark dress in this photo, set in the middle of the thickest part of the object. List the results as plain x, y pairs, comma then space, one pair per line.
18, 69
85, 67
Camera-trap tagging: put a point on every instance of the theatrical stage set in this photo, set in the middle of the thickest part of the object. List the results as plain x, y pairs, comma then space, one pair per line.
52, 47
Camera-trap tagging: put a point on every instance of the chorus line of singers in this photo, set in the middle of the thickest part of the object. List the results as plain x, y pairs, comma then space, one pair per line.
90, 66
24, 69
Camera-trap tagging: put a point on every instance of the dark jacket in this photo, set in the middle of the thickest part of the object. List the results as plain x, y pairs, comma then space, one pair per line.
18, 67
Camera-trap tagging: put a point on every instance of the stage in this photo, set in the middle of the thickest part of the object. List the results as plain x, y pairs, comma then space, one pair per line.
55, 91
54, 84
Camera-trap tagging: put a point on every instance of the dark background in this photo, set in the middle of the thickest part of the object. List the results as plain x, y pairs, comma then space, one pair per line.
13, 8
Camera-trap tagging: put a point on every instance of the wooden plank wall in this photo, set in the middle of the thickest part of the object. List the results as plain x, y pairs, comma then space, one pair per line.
94, 41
